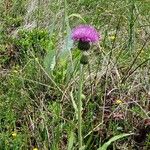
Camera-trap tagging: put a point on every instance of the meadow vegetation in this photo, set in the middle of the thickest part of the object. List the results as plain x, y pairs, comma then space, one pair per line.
39, 75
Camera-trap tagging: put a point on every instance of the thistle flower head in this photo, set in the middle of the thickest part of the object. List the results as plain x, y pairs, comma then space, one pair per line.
85, 33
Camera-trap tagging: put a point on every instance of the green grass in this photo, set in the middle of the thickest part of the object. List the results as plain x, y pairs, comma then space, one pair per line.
40, 75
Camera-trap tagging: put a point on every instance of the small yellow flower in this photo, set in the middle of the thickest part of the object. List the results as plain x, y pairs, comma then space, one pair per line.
15, 71
112, 37
139, 30
119, 101
36, 59
14, 134
35, 148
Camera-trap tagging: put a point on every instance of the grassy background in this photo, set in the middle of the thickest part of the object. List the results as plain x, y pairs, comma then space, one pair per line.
39, 74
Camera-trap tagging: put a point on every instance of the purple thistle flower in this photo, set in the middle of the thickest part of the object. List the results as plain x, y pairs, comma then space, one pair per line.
85, 33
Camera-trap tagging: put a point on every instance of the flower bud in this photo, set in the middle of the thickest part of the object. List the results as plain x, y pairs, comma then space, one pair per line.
84, 59
83, 45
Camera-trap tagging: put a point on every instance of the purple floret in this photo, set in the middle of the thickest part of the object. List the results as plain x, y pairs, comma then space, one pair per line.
85, 33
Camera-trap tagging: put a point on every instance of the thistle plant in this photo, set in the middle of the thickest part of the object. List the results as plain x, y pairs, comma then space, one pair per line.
85, 35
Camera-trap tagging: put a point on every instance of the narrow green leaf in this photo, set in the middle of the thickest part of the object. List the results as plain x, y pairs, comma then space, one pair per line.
74, 105
49, 60
78, 16
71, 140
113, 139
68, 44
82, 148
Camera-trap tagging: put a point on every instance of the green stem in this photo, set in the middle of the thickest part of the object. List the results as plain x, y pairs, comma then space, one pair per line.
80, 107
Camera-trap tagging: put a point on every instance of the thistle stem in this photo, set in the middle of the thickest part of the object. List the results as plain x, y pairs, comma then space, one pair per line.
80, 107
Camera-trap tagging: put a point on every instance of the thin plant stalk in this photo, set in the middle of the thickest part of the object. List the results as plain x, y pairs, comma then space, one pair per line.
80, 107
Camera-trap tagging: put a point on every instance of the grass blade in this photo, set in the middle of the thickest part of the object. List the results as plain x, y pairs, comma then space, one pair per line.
113, 139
